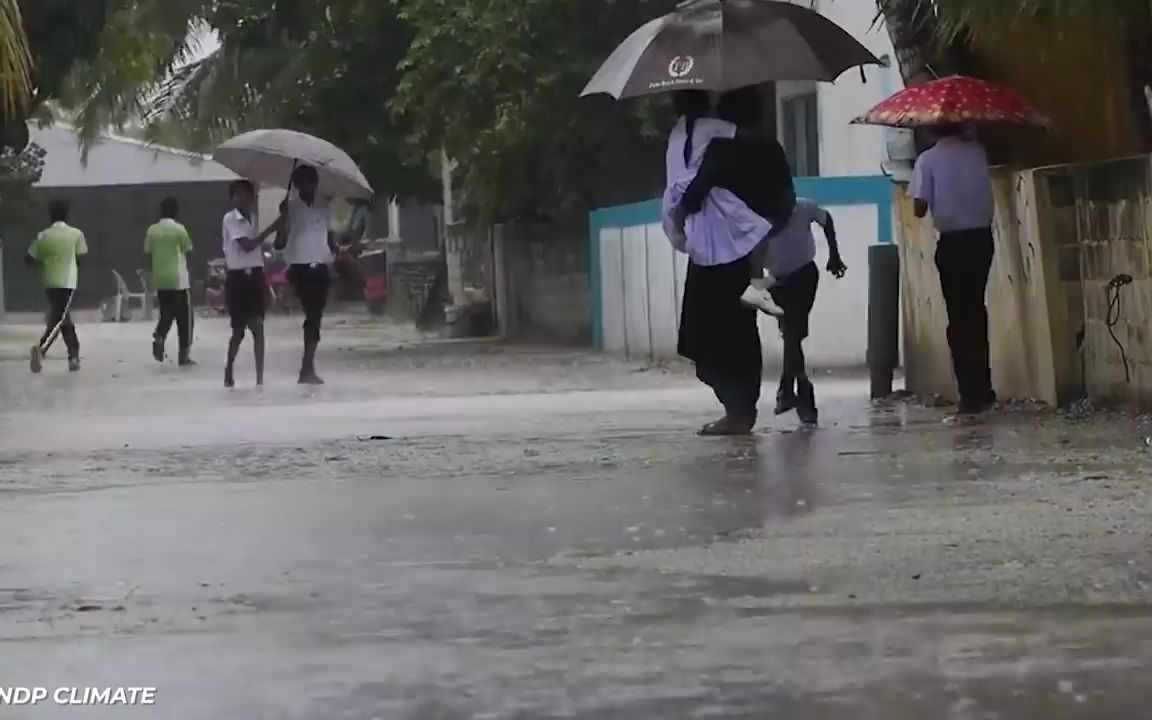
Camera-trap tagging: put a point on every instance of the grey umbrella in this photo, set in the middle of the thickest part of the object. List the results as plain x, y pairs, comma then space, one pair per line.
727, 44
270, 156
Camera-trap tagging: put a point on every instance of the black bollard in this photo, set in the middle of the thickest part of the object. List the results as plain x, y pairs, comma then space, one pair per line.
883, 317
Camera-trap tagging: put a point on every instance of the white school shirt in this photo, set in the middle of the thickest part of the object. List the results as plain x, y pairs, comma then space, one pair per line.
308, 232
795, 246
236, 226
954, 179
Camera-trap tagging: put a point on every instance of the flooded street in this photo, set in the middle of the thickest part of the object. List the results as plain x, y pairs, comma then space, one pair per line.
476, 531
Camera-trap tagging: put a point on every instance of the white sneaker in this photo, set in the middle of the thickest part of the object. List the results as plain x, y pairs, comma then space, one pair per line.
761, 300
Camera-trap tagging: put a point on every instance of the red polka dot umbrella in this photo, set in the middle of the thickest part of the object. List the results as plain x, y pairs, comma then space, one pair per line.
953, 100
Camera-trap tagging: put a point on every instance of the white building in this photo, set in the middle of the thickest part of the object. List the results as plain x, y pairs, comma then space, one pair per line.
637, 279
114, 160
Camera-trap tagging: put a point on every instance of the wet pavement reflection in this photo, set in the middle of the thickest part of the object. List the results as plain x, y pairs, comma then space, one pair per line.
537, 534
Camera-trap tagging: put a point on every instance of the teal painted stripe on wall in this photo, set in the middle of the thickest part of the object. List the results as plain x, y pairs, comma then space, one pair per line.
854, 190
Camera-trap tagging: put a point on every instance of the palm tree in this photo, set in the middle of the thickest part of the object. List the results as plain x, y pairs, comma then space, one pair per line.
1127, 21
151, 78
911, 25
142, 43
959, 16
15, 61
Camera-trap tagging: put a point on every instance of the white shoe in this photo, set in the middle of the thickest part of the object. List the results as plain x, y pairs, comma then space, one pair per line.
761, 300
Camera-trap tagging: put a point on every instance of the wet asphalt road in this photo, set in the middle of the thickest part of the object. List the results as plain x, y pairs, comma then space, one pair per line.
450, 532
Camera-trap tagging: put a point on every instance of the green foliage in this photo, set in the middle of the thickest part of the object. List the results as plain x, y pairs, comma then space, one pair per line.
61, 34
141, 43
56, 35
496, 83
958, 17
327, 68
19, 171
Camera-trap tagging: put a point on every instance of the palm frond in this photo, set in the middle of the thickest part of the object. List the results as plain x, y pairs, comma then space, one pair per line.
15, 61
960, 17
232, 90
143, 43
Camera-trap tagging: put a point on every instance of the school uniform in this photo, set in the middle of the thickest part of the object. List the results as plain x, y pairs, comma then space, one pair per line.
56, 250
245, 287
718, 332
791, 260
953, 179
167, 243
309, 257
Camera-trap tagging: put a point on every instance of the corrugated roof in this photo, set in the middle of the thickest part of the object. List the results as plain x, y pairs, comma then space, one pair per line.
115, 160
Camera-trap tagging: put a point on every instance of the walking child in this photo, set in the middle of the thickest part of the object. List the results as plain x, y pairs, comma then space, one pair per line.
167, 243
791, 262
57, 252
245, 289
305, 236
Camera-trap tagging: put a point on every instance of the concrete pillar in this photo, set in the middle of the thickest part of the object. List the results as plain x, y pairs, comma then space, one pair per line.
883, 317
502, 280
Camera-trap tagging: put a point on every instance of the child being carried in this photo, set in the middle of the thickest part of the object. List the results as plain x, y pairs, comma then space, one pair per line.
725, 229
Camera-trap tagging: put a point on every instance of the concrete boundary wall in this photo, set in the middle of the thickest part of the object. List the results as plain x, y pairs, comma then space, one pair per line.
637, 280
1057, 332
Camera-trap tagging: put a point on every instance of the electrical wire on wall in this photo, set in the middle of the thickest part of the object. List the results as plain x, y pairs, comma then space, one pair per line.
1115, 310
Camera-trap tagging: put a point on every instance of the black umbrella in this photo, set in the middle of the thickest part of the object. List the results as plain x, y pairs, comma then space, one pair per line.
726, 44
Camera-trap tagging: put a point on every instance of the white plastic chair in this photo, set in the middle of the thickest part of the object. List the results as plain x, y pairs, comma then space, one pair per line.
122, 303
150, 299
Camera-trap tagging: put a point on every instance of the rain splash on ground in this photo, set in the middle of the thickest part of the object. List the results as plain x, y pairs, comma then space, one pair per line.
484, 531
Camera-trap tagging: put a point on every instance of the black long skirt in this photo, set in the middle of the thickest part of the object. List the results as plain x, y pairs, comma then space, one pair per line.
720, 335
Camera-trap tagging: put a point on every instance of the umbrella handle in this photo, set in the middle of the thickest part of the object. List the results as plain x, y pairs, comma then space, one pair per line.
291, 177
287, 197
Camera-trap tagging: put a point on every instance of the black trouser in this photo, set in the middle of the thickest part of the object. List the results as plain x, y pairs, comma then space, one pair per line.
59, 315
795, 293
739, 393
720, 335
964, 259
246, 294
175, 307
312, 284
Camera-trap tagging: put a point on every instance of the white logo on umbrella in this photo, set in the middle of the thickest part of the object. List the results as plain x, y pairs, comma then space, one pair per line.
681, 65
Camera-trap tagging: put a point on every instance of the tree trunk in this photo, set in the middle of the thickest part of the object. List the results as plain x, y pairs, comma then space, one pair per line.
920, 55
910, 25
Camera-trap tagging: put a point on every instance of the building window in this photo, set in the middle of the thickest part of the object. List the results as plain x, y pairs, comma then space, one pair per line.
800, 132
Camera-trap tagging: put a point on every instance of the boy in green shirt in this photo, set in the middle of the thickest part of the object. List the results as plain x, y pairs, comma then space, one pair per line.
56, 252
168, 244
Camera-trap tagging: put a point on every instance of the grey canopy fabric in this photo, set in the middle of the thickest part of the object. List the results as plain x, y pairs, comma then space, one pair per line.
268, 157
727, 44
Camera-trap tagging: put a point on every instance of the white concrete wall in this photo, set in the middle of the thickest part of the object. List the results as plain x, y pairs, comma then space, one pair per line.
642, 279
642, 282
847, 149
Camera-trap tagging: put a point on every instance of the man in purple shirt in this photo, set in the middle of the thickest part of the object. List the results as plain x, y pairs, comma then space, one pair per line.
952, 182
